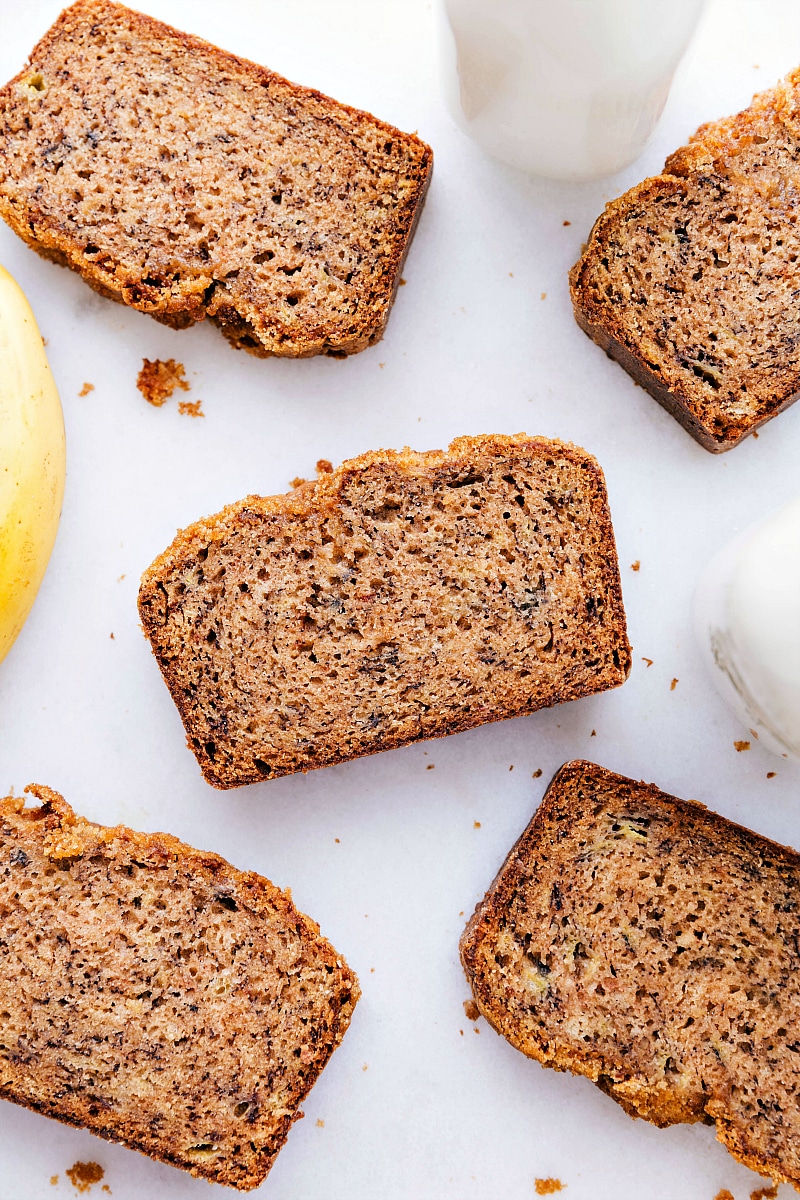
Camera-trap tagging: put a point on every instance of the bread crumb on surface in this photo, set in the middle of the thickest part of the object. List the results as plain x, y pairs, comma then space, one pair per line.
724, 1195
87, 387
324, 466
402, 283
546, 1187
158, 379
471, 1009
544, 295
476, 824
83, 1175
297, 482
771, 774
635, 565
568, 222
766, 1193
191, 408
593, 733
673, 685
536, 773
755, 435
53, 1180
320, 1124
430, 766
649, 661
365, 1067
740, 746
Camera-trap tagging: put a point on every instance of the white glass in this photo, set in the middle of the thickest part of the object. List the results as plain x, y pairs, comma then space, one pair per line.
747, 617
569, 89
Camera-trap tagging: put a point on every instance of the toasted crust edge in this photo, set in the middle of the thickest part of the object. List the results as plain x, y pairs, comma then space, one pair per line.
637, 1101
312, 497
68, 835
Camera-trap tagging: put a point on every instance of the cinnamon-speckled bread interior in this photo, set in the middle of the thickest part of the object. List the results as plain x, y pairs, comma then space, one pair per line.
190, 183
403, 596
156, 995
690, 279
652, 945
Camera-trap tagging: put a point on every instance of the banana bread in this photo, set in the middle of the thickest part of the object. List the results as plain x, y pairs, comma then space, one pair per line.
652, 945
402, 596
156, 996
188, 183
689, 280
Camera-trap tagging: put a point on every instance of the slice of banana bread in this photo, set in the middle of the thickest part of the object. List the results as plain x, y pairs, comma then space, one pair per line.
157, 996
654, 946
402, 596
690, 279
189, 183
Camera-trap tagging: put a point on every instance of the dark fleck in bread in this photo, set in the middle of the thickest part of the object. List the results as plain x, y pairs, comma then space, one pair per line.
654, 946
157, 996
690, 279
402, 596
189, 183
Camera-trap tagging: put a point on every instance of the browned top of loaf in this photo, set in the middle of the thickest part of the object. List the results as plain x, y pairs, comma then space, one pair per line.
157, 996
187, 182
402, 596
691, 278
652, 945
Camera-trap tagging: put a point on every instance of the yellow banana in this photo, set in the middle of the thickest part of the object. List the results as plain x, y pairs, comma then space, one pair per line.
32, 460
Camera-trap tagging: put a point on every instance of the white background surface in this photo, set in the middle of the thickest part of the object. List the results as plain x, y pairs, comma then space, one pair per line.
412, 1106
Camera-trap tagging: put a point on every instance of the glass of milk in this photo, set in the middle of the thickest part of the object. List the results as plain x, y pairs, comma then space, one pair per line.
569, 89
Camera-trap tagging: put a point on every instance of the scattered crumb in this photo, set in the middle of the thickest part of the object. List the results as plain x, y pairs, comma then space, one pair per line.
106, 1188
475, 1029
756, 66
120, 579
53, 1180
723, 1195
673, 685
324, 466
740, 746
536, 773
635, 566
770, 774
649, 661
510, 274
44, 341
593, 733
430, 766
320, 1124
112, 637
769, 1193
191, 408
381, 365
461, 913
82, 1175
568, 222
471, 1009
402, 283
476, 824
157, 380
546, 1187
461, 1031
372, 970
511, 768
337, 841
544, 295
297, 482
87, 387
755, 435
755, 735
365, 1066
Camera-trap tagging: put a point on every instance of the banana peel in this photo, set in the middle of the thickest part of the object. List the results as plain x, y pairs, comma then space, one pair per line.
32, 460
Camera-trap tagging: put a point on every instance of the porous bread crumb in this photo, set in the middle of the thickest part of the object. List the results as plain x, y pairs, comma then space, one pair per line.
150, 953
651, 945
83, 1175
190, 408
158, 379
765, 1193
724, 1195
87, 387
635, 566
324, 467
297, 482
690, 278
548, 1187
471, 1009
190, 183
403, 596
740, 746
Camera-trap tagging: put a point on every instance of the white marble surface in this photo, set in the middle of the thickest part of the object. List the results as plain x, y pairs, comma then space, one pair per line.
385, 853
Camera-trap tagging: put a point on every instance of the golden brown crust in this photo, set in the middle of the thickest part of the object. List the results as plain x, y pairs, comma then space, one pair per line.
688, 279
571, 1018
181, 288
66, 883
327, 502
